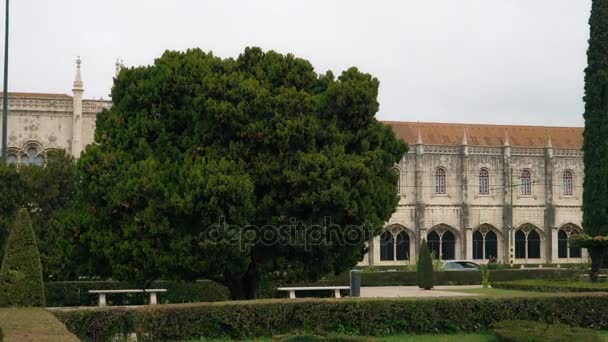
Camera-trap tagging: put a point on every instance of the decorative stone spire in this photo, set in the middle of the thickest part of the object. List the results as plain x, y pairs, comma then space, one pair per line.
549, 147
119, 65
465, 143
507, 145
78, 85
419, 137
507, 142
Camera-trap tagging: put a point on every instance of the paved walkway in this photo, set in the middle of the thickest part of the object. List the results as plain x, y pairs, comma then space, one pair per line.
415, 291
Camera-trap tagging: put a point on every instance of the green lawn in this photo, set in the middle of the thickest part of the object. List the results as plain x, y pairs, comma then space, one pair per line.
407, 338
503, 293
32, 324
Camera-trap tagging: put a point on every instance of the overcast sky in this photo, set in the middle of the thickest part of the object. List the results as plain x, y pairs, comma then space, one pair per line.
473, 61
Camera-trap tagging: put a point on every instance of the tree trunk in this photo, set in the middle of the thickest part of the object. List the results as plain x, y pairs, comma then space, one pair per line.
245, 286
597, 259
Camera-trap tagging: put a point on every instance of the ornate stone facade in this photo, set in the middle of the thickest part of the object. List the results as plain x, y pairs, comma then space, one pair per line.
40, 122
481, 192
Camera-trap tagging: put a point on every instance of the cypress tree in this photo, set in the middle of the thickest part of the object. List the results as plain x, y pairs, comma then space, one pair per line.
425, 275
21, 273
595, 189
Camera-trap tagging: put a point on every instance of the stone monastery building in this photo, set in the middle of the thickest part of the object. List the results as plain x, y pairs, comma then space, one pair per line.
481, 192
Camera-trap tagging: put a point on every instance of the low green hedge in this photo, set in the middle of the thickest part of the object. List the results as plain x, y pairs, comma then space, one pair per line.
551, 286
76, 293
352, 316
529, 331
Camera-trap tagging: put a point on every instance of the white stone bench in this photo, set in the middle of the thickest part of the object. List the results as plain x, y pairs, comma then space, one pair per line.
292, 290
152, 292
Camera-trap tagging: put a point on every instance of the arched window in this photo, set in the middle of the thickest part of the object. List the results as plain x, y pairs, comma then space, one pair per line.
484, 182
567, 183
32, 156
434, 243
533, 245
485, 244
440, 181
477, 245
526, 183
387, 246
11, 159
403, 246
448, 246
563, 243
442, 244
520, 244
527, 243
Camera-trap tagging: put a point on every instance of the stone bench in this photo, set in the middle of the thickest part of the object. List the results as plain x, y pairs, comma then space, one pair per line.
152, 292
292, 290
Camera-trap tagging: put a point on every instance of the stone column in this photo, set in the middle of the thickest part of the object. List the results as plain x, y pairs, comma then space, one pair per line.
420, 206
465, 224
549, 204
507, 216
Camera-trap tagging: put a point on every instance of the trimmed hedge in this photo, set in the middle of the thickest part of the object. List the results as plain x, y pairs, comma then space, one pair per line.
551, 286
354, 316
1, 335
21, 272
76, 293
528, 331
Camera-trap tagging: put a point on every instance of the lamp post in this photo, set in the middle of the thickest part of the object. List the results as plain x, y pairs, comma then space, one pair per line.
5, 99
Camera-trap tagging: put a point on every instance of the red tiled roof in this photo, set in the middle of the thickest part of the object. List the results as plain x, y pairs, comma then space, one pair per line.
451, 134
37, 95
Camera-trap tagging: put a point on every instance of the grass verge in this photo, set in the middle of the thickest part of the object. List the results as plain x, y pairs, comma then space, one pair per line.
32, 324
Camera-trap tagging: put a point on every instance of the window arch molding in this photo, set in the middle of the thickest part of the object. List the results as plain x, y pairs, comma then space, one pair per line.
486, 242
443, 240
567, 183
528, 242
31, 152
526, 182
440, 180
396, 243
484, 181
564, 233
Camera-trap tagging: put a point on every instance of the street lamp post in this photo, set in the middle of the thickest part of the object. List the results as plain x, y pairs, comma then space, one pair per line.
5, 99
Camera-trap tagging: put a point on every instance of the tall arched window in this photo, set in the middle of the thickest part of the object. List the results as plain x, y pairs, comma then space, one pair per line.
484, 182
387, 246
32, 156
527, 244
11, 159
567, 183
526, 183
564, 250
440, 181
485, 244
442, 243
403, 246
434, 243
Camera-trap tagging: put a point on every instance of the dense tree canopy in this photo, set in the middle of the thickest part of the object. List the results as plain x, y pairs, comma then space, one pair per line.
45, 192
595, 194
230, 168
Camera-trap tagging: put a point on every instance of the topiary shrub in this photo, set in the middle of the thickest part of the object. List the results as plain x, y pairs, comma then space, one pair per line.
425, 277
21, 273
529, 331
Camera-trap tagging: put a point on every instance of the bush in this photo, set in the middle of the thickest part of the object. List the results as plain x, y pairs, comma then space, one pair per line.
363, 317
552, 286
318, 338
76, 293
425, 277
21, 273
528, 331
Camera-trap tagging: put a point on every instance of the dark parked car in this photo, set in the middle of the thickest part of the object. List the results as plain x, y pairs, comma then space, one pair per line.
460, 265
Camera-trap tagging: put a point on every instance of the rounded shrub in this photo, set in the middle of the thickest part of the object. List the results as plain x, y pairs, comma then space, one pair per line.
425, 277
21, 273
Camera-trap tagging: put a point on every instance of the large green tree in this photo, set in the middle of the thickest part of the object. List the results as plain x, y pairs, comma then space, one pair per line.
232, 168
45, 192
595, 192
